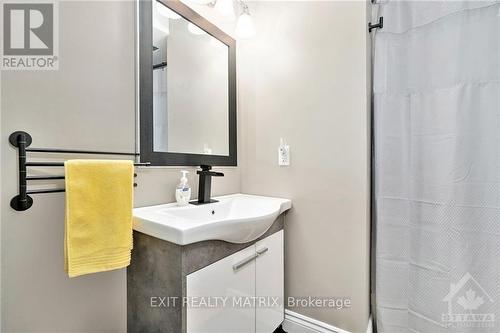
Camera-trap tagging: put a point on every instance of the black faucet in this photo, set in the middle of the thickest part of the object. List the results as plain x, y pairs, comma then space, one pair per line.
205, 185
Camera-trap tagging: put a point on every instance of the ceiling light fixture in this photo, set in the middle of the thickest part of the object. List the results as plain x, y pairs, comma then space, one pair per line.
245, 28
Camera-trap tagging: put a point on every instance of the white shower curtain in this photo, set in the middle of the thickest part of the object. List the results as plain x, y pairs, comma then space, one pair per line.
437, 167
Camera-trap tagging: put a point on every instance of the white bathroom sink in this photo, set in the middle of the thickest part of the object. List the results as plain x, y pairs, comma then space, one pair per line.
237, 218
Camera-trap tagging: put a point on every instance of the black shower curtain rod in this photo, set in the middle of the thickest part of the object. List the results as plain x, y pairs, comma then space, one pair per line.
379, 25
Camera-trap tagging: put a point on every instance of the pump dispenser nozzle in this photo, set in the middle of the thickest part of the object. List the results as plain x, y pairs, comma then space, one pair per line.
184, 176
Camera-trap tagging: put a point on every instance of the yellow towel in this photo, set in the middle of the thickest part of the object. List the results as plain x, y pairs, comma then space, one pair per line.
99, 201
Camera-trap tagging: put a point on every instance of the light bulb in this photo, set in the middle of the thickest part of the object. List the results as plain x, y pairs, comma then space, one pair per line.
245, 27
166, 12
225, 8
194, 29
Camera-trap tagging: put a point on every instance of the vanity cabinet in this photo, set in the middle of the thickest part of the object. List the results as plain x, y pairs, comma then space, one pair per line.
244, 291
166, 283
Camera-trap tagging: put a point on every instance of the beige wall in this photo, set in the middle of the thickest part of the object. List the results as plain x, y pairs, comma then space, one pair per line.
304, 78
88, 103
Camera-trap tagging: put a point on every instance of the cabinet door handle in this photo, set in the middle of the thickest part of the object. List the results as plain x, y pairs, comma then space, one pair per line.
262, 251
245, 261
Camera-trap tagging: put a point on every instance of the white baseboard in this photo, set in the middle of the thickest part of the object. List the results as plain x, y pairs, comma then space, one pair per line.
297, 323
369, 329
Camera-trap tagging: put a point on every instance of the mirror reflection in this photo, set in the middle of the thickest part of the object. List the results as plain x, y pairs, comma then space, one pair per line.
190, 87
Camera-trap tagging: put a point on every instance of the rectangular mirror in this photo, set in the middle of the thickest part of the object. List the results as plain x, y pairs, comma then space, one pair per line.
187, 87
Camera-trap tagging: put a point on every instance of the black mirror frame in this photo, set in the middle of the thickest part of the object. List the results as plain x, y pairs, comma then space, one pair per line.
146, 89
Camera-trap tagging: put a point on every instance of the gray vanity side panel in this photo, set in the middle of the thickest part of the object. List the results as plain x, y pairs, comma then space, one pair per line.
155, 272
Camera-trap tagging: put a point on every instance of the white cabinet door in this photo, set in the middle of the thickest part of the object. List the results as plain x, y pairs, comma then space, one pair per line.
270, 282
221, 279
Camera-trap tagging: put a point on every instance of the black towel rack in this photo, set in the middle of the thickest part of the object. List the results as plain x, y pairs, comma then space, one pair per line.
22, 140
163, 64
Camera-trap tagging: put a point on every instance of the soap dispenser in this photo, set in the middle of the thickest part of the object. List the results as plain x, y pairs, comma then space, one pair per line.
183, 190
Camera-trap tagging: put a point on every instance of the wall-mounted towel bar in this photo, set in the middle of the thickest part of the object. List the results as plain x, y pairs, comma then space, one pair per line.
76, 151
22, 140
163, 64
